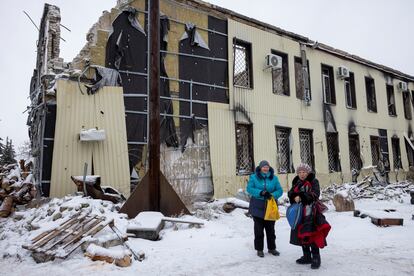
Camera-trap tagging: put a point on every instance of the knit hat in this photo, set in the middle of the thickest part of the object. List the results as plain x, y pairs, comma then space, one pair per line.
304, 168
263, 163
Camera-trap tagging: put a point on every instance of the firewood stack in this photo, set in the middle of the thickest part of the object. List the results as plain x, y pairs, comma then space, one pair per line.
16, 188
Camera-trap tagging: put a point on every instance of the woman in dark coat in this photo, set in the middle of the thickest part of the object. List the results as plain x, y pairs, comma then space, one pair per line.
263, 185
312, 231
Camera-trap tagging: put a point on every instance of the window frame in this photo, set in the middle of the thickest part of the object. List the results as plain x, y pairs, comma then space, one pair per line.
331, 77
337, 153
249, 62
390, 90
289, 157
372, 82
351, 81
285, 73
296, 58
408, 114
250, 149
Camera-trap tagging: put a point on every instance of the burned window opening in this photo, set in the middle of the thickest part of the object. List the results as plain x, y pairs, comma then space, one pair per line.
354, 152
328, 84
299, 79
371, 97
375, 150
407, 105
306, 147
333, 152
244, 144
280, 78
242, 67
396, 153
391, 101
410, 154
283, 149
350, 93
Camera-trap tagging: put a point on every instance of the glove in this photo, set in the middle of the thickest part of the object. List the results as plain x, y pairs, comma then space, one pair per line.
266, 194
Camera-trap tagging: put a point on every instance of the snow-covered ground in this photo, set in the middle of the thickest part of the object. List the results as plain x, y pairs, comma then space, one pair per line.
224, 246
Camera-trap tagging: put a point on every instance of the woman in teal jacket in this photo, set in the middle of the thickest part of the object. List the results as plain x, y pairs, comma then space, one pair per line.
263, 185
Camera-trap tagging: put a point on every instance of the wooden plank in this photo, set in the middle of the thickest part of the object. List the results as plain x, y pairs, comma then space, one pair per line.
387, 221
91, 232
70, 232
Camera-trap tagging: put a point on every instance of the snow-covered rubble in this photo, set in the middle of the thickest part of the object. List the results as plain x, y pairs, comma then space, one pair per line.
223, 246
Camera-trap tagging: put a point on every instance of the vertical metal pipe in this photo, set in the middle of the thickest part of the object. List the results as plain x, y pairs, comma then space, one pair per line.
191, 98
154, 107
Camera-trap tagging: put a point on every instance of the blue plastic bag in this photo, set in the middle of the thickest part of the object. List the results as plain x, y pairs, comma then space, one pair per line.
294, 214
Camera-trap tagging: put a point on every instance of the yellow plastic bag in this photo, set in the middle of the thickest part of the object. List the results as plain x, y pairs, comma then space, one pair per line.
272, 211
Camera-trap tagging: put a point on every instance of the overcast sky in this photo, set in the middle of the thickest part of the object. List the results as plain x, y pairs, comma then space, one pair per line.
378, 30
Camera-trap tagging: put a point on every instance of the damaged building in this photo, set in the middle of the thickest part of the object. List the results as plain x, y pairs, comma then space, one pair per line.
234, 91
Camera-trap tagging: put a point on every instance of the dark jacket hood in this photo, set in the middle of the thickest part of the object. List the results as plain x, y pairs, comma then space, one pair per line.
260, 176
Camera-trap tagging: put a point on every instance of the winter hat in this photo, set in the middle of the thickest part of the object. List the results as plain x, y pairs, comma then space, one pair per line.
263, 163
303, 167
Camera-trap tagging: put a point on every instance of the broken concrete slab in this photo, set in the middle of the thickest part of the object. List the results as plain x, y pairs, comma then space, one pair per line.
343, 202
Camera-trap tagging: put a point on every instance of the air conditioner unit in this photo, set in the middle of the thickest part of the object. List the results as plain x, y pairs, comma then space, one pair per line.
273, 61
343, 72
403, 86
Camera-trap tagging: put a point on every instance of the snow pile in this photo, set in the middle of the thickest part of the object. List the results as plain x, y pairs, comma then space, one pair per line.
95, 250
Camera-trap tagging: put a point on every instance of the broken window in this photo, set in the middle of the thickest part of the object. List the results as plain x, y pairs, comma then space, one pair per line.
391, 100
244, 144
299, 78
375, 150
410, 154
354, 152
242, 70
407, 105
350, 94
328, 84
280, 77
371, 98
283, 149
306, 147
333, 152
396, 153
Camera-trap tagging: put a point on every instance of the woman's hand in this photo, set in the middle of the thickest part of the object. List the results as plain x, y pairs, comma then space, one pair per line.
297, 199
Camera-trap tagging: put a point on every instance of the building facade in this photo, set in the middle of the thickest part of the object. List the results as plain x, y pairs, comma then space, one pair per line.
235, 91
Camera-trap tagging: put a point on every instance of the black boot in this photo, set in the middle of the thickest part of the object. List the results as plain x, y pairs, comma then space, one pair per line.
316, 257
274, 252
306, 258
260, 253
316, 261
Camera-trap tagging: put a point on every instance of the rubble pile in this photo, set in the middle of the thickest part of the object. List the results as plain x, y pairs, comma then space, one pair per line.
369, 189
17, 187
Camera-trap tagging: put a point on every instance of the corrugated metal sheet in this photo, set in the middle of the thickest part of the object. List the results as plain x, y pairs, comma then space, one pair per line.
221, 129
75, 111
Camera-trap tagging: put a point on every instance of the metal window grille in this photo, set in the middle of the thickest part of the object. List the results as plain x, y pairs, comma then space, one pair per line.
244, 143
396, 153
333, 151
278, 82
306, 146
242, 70
283, 149
354, 154
375, 150
300, 82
